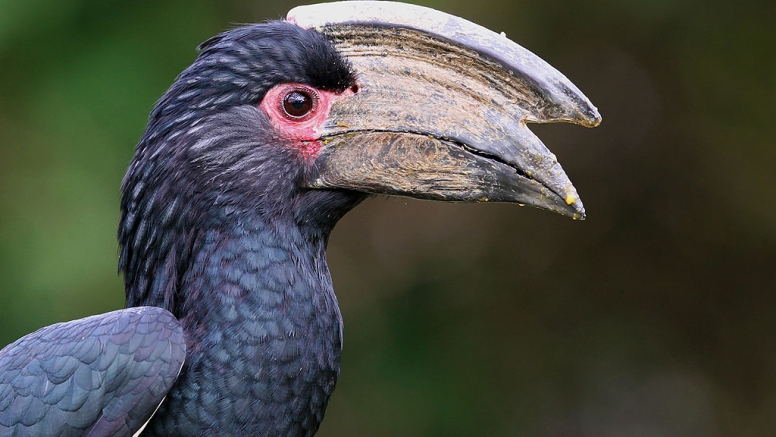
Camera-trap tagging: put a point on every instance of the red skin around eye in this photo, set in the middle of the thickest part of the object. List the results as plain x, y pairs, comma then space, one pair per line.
305, 132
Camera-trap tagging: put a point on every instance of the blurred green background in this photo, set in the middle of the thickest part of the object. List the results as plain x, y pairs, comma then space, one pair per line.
654, 317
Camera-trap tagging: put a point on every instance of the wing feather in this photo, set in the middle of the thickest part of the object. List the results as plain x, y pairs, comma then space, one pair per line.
99, 376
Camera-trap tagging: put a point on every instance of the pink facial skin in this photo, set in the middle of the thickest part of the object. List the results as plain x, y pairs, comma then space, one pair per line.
304, 131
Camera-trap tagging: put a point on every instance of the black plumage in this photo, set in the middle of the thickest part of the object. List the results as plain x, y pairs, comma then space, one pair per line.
232, 253
102, 375
215, 229
227, 208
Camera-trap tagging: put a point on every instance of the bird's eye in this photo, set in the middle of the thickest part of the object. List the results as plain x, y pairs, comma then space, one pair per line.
298, 103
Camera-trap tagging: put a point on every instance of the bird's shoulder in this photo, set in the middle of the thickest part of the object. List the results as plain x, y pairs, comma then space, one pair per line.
100, 375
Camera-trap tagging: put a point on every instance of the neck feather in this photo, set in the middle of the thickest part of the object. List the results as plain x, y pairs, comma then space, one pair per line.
264, 334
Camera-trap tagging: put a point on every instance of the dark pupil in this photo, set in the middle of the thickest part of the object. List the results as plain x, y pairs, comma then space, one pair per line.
297, 103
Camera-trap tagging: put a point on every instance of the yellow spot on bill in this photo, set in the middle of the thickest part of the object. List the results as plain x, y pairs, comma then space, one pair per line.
570, 198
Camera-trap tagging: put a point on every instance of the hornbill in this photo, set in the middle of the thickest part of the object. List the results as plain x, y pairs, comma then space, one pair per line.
248, 161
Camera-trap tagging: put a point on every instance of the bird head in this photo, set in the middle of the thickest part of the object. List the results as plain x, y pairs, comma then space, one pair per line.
299, 120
